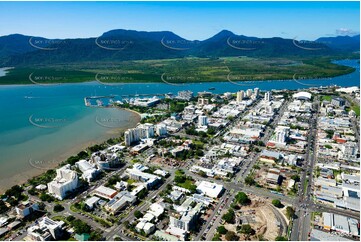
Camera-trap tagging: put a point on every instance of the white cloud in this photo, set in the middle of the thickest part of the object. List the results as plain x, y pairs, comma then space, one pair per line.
345, 31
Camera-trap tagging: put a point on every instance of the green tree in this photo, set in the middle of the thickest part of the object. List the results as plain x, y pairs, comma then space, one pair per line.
3, 207
222, 230
58, 208
249, 180
126, 224
180, 179
138, 214
246, 229
216, 237
296, 178
242, 198
202, 174
229, 216
80, 227
14, 191
231, 236
70, 218
277, 203
290, 212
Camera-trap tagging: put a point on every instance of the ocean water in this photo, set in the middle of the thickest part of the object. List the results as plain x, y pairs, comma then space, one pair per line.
41, 125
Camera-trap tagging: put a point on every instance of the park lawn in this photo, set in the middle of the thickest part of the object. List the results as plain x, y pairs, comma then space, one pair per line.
326, 98
188, 184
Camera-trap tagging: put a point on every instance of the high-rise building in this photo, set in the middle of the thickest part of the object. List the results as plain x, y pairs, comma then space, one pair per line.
202, 120
256, 92
281, 137
143, 131
267, 96
249, 92
240, 96
203, 101
66, 180
161, 129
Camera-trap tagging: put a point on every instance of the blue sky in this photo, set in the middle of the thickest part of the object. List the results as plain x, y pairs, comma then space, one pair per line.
191, 20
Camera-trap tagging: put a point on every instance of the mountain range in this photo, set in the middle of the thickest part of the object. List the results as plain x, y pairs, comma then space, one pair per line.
120, 45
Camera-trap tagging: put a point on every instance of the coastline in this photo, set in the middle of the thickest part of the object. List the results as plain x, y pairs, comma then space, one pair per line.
53, 162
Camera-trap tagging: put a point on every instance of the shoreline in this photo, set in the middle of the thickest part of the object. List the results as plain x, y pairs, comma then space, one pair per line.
22, 177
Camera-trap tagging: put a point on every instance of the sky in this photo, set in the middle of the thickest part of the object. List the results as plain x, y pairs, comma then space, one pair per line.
190, 20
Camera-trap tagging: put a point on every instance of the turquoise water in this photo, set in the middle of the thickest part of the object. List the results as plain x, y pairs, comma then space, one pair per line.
49, 123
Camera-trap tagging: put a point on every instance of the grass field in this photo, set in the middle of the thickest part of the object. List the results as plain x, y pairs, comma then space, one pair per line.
326, 98
179, 71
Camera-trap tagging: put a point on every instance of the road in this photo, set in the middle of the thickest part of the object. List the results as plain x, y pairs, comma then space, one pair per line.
213, 215
302, 221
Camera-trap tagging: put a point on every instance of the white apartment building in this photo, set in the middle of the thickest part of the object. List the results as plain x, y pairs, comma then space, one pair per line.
65, 181
161, 129
143, 131
267, 96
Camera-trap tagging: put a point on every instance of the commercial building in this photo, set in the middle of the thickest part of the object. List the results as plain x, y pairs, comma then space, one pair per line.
104, 192
26, 209
92, 202
105, 159
162, 235
349, 151
149, 179
65, 181
88, 170
341, 224
184, 95
210, 189
144, 102
302, 96
146, 227
46, 229
120, 201
338, 102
